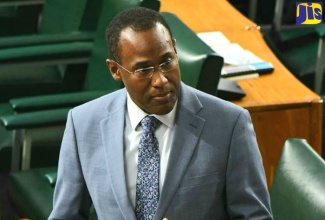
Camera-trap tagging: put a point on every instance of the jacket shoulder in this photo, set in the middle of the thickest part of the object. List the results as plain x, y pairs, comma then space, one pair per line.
102, 104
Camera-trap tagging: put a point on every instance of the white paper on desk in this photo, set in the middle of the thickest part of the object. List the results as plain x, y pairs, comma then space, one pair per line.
213, 38
234, 54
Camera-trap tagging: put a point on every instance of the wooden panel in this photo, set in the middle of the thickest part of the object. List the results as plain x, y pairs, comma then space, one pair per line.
274, 127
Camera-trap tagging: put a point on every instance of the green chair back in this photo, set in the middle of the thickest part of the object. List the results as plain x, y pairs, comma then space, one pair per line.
58, 17
298, 188
62, 16
54, 16
32, 192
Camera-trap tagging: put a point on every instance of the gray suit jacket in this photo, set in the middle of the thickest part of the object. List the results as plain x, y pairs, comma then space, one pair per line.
215, 169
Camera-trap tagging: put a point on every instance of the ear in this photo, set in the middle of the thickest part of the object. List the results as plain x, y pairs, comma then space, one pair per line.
112, 66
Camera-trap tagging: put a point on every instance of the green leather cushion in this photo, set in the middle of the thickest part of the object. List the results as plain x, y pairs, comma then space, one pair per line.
54, 101
41, 52
298, 188
50, 176
29, 40
35, 119
31, 192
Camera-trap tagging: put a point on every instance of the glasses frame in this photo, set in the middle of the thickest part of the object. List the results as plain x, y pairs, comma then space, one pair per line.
153, 69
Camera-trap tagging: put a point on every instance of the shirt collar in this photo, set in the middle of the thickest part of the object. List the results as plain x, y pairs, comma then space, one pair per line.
136, 114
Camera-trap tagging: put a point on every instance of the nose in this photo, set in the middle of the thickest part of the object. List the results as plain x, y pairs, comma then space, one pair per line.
158, 78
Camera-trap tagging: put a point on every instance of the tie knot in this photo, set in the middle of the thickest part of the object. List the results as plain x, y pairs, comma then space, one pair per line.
150, 123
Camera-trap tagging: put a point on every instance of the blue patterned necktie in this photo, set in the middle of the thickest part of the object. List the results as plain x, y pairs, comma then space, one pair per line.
147, 189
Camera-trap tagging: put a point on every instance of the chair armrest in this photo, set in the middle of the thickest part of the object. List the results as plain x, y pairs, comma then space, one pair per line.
54, 101
50, 174
210, 74
53, 53
35, 119
40, 39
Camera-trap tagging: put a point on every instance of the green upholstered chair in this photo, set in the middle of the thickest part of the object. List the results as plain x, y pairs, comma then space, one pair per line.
99, 80
22, 190
37, 64
27, 66
298, 188
300, 48
56, 17
31, 193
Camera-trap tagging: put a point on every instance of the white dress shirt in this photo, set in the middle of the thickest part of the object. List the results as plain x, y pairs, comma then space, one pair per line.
132, 135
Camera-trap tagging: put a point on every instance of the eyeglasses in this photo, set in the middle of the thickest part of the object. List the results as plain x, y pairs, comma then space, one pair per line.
144, 73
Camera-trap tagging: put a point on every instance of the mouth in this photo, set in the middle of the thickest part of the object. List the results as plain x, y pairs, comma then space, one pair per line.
162, 97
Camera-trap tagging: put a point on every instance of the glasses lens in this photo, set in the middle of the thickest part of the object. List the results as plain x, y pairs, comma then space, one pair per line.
164, 67
144, 73
168, 66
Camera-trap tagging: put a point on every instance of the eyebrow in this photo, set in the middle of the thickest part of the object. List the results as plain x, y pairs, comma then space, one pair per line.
146, 63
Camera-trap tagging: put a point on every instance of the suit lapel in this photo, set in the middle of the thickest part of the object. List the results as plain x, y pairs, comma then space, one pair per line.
188, 127
112, 129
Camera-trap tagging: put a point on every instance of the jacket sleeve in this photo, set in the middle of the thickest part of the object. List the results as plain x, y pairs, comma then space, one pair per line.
71, 197
246, 189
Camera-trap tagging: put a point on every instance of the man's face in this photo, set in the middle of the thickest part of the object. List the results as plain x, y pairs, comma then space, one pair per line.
158, 94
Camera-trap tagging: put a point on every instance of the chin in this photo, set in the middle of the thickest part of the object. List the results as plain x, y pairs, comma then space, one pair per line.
162, 109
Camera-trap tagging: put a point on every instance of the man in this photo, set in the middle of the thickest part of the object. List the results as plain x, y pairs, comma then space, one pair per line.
208, 166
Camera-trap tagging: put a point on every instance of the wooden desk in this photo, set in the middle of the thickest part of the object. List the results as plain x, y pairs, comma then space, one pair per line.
280, 106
